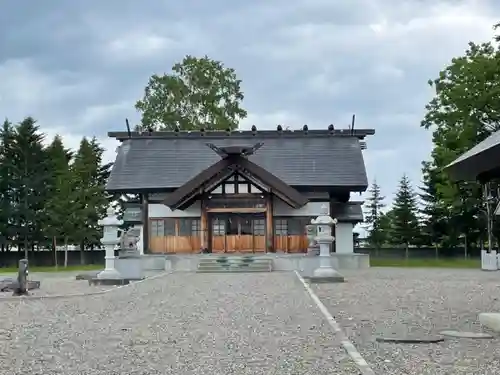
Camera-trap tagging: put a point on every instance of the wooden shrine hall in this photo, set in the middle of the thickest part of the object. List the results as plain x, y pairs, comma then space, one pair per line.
239, 191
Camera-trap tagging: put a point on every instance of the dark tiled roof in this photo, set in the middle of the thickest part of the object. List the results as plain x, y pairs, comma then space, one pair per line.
481, 159
315, 159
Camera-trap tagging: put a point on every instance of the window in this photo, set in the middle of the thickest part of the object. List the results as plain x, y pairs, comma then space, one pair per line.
162, 227
280, 227
242, 188
297, 225
259, 227
157, 228
169, 227
218, 227
217, 190
229, 189
189, 227
254, 189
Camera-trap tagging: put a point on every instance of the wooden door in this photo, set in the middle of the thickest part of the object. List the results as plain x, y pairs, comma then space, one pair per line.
259, 235
218, 228
245, 239
232, 233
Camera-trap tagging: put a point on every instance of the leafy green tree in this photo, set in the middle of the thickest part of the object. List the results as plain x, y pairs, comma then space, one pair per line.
60, 219
463, 112
89, 176
6, 193
377, 236
198, 93
29, 180
405, 228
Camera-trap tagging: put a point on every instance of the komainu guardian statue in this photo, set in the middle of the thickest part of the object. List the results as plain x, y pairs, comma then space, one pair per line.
128, 242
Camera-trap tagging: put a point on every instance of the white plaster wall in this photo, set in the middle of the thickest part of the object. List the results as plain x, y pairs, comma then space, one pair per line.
344, 242
310, 209
158, 210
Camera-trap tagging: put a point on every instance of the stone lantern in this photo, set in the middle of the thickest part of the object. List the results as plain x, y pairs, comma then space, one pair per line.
325, 272
111, 226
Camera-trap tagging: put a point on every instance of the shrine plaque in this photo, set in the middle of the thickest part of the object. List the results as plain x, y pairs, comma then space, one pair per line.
133, 214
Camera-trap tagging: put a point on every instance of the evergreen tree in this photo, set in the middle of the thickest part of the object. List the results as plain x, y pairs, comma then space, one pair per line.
60, 218
405, 227
374, 205
435, 216
91, 199
6, 193
29, 179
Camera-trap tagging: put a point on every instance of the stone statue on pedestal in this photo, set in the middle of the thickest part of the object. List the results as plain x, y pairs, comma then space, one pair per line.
313, 246
128, 242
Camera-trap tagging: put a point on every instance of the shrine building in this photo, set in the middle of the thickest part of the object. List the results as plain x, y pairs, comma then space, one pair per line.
240, 191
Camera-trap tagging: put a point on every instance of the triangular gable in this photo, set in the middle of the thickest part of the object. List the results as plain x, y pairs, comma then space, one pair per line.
215, 174
236, 183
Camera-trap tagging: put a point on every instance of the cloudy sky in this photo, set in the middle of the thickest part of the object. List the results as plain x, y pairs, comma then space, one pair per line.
79, 66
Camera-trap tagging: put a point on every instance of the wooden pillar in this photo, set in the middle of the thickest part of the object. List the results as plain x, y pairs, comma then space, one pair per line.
204, 225
269, 223
145, 223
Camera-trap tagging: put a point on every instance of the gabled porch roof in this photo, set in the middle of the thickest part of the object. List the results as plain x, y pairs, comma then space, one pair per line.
183, 196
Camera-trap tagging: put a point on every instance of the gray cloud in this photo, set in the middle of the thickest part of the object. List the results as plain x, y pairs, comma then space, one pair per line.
79, 66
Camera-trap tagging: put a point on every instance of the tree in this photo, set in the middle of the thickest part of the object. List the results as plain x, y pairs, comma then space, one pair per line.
463, 112
29, 180
198, 93
6, 193
405, 224
377, 236
90, 198
60, 218
434, 215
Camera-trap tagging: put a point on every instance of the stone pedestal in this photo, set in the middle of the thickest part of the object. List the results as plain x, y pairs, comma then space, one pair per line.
325, 273
344, 240
130, 266
489, 261
110, 239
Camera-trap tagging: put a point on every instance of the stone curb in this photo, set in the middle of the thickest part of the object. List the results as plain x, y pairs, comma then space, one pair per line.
56, 296
349, 347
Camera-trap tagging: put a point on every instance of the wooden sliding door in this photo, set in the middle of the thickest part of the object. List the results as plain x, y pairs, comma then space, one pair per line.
238, 233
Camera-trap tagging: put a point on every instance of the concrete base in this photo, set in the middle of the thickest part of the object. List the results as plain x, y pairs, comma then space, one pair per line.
489, 261
326, 275
490, 321
108, 282
109, 274
130, 267
305, 264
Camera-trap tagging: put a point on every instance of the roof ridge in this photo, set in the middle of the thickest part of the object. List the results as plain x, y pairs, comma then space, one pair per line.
357, 133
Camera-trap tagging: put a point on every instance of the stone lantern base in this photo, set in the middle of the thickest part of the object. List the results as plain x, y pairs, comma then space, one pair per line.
326, 275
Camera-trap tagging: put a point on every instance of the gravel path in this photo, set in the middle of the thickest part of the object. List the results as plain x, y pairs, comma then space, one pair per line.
382, 301
176, 324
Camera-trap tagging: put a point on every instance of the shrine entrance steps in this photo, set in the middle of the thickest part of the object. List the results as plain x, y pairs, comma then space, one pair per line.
234, 264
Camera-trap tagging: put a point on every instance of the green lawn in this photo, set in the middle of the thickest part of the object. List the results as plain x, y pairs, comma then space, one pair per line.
437, 263
90, 267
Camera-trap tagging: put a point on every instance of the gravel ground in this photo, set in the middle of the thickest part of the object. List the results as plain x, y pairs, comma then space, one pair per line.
412, 302
176, 324
57, 283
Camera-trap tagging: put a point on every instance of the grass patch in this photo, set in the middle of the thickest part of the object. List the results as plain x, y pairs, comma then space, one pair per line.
88, 267
426, 263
